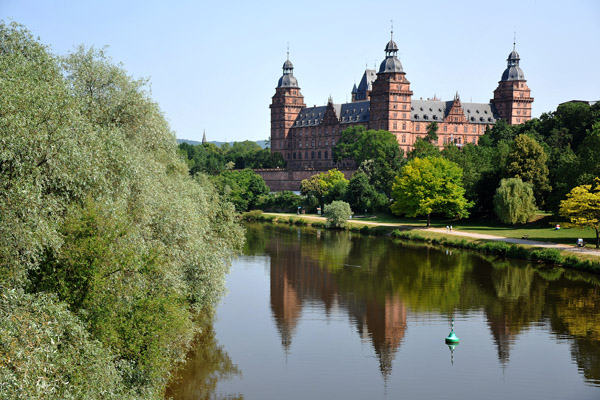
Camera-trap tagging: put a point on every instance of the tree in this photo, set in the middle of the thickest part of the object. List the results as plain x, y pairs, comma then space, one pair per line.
527, 160
432, 130
360, 194
337, 213
514, 202
242, 188
582, 207
380, 148
430, 185
318, 186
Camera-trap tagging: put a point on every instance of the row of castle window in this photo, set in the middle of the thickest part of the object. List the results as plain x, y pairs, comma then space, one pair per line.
312, 155
447, 140
300, 143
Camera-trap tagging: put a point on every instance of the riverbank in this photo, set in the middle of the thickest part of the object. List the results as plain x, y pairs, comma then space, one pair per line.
583, 259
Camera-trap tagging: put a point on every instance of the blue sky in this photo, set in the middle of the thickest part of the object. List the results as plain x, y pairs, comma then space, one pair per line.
215, 65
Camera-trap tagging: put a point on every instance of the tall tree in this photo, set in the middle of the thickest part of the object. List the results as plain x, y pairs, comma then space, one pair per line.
380, 148
527, 160
318, 186
582, 207
430, 185
514, 202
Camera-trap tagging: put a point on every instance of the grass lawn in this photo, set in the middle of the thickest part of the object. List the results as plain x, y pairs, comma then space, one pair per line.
541, 230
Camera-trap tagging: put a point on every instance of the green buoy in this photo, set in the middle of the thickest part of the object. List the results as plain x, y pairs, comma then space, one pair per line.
452, 338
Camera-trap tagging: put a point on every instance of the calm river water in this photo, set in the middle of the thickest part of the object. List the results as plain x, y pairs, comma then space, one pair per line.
333, 315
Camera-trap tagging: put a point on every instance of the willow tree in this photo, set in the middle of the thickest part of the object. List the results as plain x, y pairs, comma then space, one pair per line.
430, 185
582, 207
514, 202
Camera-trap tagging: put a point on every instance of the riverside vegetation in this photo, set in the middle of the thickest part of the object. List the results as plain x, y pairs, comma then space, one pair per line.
109, 250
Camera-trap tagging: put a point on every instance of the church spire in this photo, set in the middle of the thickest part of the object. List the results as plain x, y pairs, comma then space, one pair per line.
204, 136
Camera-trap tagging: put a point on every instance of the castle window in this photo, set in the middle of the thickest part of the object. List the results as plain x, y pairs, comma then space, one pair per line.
325, 155
326, 142
418, 127
474, 140
403, 138
404, 125
456, 129
312, 155
404, 106
306, 155
403, 115
333, 142
319, 154
395, 125
395, 115
294, 156
465, 129
395, 106
474, 129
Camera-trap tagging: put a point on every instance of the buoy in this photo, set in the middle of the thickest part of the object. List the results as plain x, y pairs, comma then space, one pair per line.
452, 338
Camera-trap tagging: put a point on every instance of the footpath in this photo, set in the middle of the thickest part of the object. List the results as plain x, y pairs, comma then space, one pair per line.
454, 232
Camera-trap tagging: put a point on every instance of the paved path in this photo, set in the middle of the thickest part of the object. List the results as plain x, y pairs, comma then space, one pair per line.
454, 232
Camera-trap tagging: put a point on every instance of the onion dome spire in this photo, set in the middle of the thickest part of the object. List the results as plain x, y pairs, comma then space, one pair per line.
288, 79
391, 62
513, 72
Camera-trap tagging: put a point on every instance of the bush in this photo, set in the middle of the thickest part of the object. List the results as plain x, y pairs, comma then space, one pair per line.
337, 213
551, 256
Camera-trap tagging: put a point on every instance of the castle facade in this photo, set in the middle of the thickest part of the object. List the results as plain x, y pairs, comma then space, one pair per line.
305, 136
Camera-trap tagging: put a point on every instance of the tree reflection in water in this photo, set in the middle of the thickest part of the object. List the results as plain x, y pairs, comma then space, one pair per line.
206, 365
376, 281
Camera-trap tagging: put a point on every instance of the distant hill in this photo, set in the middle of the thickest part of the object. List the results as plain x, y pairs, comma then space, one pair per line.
261, 143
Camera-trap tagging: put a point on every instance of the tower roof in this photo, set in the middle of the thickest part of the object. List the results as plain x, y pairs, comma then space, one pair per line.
288, 79
391, 62
513, 72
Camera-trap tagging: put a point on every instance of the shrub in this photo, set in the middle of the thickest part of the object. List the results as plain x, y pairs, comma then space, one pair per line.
337, 213
547, 255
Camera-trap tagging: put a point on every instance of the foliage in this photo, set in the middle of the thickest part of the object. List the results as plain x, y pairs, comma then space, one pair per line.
117, 246
527, 160
360, 194
47, 353
430, 185
514, 202
209, 159
318, 187
337, 213
378, 147
242, 188
284, 201
582, 207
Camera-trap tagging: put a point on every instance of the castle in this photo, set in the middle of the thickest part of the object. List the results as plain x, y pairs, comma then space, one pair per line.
383, 100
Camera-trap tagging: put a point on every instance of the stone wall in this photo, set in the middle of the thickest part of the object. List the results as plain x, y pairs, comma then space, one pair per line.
283, 179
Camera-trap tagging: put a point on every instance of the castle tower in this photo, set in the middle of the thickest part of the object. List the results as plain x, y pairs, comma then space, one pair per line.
285, 107
391, 96
513, 98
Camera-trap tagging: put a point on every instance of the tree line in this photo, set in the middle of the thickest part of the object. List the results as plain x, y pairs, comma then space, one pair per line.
110, 251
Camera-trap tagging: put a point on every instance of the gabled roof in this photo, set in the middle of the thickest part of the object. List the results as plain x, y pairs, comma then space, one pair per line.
366, 84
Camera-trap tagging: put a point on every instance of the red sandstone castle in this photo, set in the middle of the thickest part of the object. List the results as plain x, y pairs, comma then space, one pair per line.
305, 136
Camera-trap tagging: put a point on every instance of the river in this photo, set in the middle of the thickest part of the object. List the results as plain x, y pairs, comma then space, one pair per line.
317, 314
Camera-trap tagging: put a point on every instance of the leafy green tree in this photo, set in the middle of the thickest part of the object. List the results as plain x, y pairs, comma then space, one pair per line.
432, 129
430, 185
423, 148
284, 201
514, 202
337, 213
360, 194
318, 186
582, 207
110, 247
242, 188
380, 148
527, 160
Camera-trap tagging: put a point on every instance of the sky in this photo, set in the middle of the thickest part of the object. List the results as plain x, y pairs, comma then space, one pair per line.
214, 66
